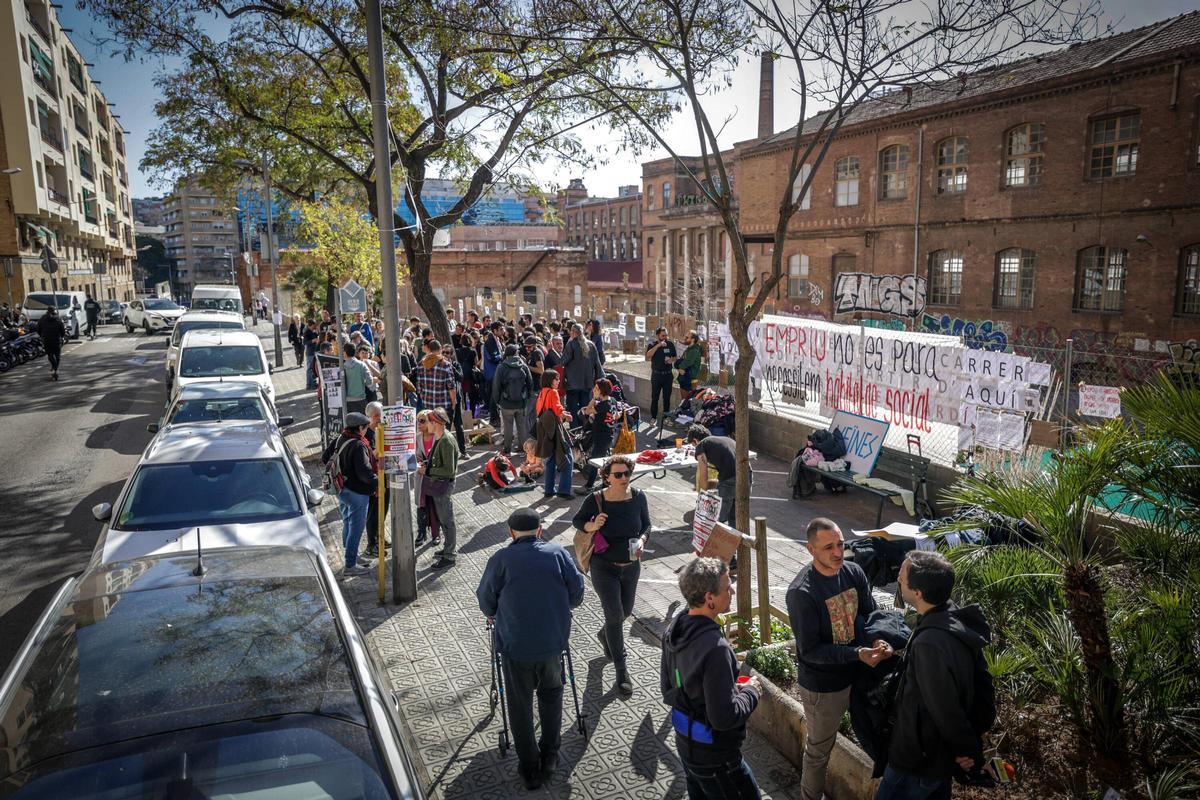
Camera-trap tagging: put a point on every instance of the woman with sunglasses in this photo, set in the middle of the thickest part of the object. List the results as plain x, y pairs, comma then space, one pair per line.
621, 515
425, 443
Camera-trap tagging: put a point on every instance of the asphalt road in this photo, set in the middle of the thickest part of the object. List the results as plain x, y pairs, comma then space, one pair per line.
64, 447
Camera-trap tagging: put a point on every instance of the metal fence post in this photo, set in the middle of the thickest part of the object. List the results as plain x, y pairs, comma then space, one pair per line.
1066, 412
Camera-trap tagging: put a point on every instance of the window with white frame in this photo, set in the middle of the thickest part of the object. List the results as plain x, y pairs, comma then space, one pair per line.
846, 173
797, 275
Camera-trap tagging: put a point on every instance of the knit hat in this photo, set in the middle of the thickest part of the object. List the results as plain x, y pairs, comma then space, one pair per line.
524, 519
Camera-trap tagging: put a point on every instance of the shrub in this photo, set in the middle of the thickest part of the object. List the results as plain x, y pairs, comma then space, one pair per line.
774, 662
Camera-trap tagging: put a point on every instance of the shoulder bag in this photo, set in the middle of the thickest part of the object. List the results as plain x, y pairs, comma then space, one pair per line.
587, 543
626, 441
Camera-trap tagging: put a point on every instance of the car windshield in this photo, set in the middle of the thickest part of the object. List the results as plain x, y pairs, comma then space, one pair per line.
220, 360
241, 408
160, 304
114, 304
39, 301
206, 324
217, 303
207, 493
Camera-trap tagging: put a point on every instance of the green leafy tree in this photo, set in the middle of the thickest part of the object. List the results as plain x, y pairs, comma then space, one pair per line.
345, 244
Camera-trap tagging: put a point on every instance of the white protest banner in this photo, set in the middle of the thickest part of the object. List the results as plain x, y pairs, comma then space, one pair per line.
462, 316
639, 324
714, 358
554, 313
708, 508
1099, 401
399, 438
621, 329
578, 312
864, 439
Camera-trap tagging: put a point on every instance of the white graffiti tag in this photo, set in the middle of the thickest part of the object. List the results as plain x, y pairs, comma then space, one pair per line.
816, 295
901, 295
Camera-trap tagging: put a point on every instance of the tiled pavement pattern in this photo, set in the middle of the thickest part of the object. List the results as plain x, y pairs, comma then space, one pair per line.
436, 648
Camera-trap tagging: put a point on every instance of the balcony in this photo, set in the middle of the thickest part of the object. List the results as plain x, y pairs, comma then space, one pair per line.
79, 126
114, 232
76, 76
91, 217
52, 139
46, 82
41, 31
86, 171
58, 197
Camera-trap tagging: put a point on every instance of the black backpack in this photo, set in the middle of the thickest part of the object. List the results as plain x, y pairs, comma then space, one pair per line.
514, 387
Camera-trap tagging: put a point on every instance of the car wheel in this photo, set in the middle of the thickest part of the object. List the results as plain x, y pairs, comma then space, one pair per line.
146, 328
128, 327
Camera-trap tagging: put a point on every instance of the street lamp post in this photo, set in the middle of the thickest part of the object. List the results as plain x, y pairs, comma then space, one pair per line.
276, 315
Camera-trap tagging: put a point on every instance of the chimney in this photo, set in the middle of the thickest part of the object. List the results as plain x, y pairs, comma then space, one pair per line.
766, 95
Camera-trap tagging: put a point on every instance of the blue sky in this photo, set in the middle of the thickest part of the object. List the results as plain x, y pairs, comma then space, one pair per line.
130, 86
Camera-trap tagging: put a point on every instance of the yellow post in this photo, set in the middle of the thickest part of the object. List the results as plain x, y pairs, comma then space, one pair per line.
764, 589
381, 488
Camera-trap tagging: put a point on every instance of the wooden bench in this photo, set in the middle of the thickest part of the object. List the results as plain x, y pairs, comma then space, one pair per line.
903, 469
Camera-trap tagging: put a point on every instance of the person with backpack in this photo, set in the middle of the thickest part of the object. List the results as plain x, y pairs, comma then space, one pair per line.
827, 603
353, 478
945, 700
709, 708
356, 381
91, 310
512, 387
581, 369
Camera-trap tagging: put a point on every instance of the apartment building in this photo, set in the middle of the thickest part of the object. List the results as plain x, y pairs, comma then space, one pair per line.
201, 237
64, 180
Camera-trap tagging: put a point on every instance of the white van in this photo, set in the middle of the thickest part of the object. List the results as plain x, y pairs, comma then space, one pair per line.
70, 308
224, 355
210, 297
198, 320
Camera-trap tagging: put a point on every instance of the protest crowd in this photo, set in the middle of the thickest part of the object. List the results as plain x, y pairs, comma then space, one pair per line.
916, 688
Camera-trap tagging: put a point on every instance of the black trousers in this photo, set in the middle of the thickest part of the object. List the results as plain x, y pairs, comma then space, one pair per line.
90, 330
373, 517
600, 447
616, 586
660, 384
53, 355
523, 679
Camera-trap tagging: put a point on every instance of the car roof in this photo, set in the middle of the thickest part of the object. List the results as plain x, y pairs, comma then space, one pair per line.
219, 441
220, 337
205, 314
219, 390
145, 646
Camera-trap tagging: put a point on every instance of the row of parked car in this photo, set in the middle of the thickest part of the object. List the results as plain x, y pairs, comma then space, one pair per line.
206, 651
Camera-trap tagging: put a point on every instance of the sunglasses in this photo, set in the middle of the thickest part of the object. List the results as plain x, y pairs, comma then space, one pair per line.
622, 474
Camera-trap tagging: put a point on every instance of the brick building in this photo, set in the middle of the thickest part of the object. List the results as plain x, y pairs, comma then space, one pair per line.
1057, 196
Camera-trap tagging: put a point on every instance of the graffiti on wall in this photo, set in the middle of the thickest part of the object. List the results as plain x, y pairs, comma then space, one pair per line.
816, 295
883, 324
1099, 357
1185, 360
899, 295
981, 334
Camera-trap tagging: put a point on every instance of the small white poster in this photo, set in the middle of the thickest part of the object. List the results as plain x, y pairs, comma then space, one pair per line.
639, 324
1099, 401
621, 329
708, 508
578, 312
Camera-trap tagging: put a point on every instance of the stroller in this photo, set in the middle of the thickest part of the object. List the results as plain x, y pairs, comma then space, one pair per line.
496, 693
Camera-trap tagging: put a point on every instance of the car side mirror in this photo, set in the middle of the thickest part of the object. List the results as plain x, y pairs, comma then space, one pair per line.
102, 511
270, 369
285, 421
152, 427
314, 497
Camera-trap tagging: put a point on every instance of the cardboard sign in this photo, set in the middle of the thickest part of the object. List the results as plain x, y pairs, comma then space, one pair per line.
722, 543
621, 329
399, 438
864, 439
639, 324
1099, 401
708, 508
1044, 433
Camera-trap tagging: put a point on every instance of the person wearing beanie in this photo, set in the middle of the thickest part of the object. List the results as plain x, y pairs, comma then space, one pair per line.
437, 483
512, 388
348, 459
528, 589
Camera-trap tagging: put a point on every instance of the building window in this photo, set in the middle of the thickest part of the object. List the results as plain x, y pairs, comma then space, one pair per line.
1013, 286
529, 294
578, 293
801, 178
1188, 294
952, 165
945, 277
842, 263
649, 196
633, 254
486, 292
1100, 279
797, 275
846, 176
893, 172
622, 216
1024, 146
666, 194
1114, 142
595, 219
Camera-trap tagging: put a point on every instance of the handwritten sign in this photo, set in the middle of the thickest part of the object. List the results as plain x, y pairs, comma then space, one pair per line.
864, 439
1099, 401
399, 438
578, 312
708, 508
639, 324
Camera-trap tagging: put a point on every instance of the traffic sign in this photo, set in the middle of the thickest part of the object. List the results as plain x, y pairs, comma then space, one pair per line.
352, 298
99, 268
49, 262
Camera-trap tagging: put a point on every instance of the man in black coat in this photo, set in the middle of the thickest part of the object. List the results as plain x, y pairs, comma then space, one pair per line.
92, 310
942, 709
50, 327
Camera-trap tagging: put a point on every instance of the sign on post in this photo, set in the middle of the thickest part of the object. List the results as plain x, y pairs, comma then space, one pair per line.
49, 261
1099, 401
352, 298
708, 508
330, 372
399, 439
864, 439
639, 324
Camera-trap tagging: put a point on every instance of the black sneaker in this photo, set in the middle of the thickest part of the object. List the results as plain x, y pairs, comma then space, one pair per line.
420, 540
442, 563
624, 682
583, 491
371, 552
603, 643
532, 780
565, 495
547, 764
548, 495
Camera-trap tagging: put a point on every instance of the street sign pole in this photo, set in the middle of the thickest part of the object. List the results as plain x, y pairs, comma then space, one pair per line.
8, 279
404, 557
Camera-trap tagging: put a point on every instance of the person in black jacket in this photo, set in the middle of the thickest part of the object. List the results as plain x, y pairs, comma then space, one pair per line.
296, 338
709, 709
91, 310
353, 454
602, 425
825, 604
530, 587
935, 734
50, 327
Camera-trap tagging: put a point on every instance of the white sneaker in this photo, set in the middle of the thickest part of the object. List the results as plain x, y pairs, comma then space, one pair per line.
357, 569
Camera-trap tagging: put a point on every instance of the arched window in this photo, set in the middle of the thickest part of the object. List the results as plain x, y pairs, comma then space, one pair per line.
801, 177
945, 277
846, 172
1023, 148
952, 156
1187, 296
666, 194
1013, 284
893, 172
1100, 278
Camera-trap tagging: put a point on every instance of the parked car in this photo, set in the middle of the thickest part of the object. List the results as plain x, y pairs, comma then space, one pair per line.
240, 483
239, 673
194, 321
69, 304
111, 311
220, 401
152, 314
206, 355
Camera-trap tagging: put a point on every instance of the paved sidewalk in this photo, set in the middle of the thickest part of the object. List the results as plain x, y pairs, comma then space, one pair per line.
436, 648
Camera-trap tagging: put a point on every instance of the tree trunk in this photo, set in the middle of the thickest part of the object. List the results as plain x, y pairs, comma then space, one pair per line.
1086, 610
421, 261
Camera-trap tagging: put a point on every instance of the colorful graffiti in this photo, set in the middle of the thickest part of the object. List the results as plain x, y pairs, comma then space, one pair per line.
1098, 357
981, 334
884, 324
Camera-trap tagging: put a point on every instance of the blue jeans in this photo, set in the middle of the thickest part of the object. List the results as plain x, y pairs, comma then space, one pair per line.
310, 381
563, 471
731, 781
898, 785
354, 518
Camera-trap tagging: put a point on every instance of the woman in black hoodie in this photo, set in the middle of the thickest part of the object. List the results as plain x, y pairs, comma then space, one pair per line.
709, 708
